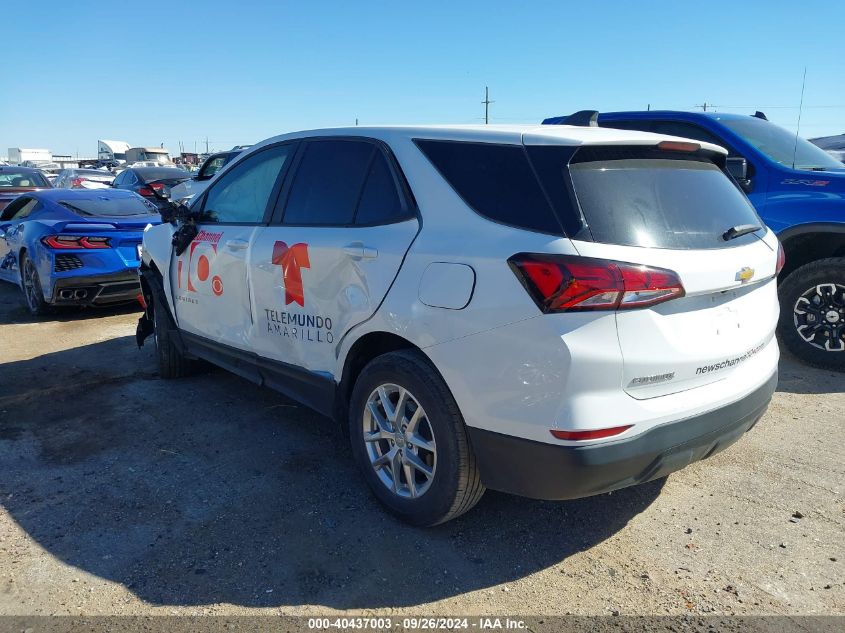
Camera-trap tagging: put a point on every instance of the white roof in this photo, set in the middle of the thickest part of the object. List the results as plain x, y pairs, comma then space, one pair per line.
513, 134
115, 146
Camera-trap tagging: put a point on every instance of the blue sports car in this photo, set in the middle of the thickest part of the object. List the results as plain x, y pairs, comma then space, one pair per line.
67, 247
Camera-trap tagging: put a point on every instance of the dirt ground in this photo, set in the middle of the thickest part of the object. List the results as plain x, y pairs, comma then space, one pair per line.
125, 494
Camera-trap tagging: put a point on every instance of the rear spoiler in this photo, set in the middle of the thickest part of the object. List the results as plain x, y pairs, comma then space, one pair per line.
582, 118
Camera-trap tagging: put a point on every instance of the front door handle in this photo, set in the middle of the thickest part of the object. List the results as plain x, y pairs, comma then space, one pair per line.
237, 245
357, 250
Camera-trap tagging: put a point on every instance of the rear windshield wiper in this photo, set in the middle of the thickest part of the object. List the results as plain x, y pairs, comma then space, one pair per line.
739, 230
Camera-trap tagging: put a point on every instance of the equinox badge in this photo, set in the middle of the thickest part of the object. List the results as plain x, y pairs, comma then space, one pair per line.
744, 274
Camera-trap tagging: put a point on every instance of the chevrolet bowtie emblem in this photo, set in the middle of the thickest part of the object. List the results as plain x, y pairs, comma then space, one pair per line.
744, 274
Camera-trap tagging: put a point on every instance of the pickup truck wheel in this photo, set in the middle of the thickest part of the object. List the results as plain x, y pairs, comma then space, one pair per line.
409, 439
812, 318
171, 362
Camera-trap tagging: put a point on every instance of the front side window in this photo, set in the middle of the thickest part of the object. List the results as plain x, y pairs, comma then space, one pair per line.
212, 167
780, 145
242, 194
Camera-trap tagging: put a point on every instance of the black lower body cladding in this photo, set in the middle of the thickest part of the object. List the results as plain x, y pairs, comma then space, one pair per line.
546, 471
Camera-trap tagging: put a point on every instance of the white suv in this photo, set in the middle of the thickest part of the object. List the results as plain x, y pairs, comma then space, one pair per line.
553, 312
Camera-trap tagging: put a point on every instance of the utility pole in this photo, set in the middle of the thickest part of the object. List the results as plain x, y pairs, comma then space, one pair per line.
356, 121
206, 145
487, 103
704, 105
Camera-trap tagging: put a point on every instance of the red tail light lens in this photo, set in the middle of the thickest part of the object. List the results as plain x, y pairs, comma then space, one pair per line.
781, 260
75, 241
145, 191
159, 187
594, 434
678, 146
77, 182
562, 283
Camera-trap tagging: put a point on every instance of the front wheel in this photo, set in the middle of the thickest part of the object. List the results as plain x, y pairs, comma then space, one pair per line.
171, 362
812, 317
409, 440
32, 291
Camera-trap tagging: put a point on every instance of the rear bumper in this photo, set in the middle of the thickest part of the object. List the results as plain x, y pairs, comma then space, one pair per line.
546, 471
99, 290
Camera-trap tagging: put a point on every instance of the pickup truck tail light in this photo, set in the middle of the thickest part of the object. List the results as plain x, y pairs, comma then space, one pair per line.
781, 260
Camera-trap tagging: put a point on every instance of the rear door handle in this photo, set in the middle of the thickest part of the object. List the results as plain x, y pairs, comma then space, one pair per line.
356, 250
237, 245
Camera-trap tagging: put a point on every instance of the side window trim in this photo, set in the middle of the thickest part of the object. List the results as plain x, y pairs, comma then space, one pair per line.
274, 192
403, 189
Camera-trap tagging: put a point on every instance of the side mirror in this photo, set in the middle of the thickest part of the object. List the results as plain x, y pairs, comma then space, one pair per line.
738, 168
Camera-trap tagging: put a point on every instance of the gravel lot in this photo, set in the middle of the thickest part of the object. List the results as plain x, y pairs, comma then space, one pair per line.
125, 494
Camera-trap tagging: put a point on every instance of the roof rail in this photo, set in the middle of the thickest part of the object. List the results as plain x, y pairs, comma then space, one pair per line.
760, 115
582, 118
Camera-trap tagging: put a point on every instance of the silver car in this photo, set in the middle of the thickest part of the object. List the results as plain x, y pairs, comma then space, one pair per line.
84, 179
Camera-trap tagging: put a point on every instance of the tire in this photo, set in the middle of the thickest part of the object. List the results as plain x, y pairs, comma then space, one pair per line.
171, 362
438, 441
33, 294
812, 314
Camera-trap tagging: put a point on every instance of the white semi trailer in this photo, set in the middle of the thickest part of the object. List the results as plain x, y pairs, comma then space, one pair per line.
19, 155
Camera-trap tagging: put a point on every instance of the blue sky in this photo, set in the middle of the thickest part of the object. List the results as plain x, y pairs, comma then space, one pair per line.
149, 72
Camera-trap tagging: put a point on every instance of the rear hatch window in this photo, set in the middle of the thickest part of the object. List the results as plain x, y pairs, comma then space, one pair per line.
658, 199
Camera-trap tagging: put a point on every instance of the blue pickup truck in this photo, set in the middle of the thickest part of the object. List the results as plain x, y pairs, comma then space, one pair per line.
798, 191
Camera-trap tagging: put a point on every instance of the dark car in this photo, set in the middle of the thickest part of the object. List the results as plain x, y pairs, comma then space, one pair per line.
189, 189
153, 183
17, 180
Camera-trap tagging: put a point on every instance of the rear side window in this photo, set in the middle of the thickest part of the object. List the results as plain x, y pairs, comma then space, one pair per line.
496, 181
328, 183
380, 202
661, 202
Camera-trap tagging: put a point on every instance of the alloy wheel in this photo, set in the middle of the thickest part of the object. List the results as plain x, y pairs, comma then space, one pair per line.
819, 317
399, 441
31, 285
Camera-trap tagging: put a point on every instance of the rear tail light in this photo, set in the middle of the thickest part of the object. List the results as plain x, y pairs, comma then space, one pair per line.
159, 187
563, 283
75, 241
77, 182
781, 260
146, 191
594, 434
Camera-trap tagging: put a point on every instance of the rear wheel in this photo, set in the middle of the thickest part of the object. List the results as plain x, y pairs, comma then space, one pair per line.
171, 362
32, 291
812, 319
409, 439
